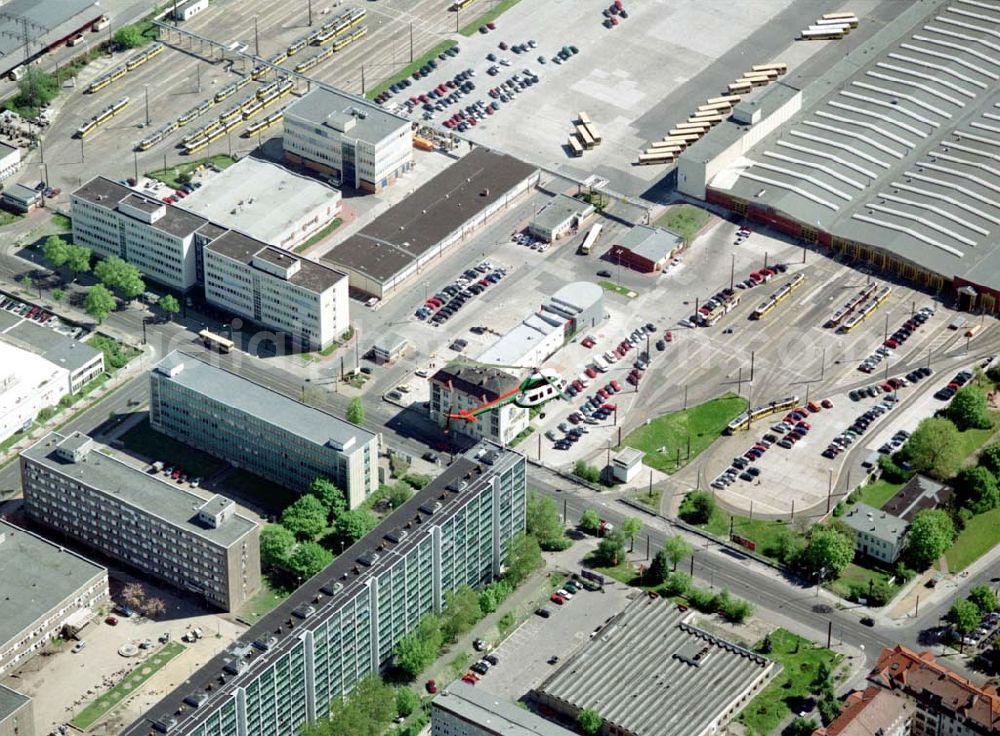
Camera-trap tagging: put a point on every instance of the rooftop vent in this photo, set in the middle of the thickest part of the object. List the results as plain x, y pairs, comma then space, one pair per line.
429, 509
331, 587
397, 536
304, 611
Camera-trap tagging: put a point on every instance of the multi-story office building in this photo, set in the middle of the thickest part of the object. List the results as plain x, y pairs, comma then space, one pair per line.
260, 430
358, 143
202, 546
82, 362
47, 590
17, 717
275, 287
457, 389
344, 623
28, 384
464, 710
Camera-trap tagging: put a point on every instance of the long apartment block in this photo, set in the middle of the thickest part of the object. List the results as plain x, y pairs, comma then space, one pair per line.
258, 429
343, 623
198, 545
183, 251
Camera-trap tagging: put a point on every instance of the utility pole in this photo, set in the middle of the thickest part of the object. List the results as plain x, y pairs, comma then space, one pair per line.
310, 12
829, 488
135, 159
751, 365
198, 70
829, 631
362, 79
822, 365
539, 448
411, 42
685, 396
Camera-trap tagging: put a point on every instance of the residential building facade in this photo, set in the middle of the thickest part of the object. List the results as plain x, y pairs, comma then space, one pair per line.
343, 623
459, 389
255, 428
198, 545
47, 588
877, 533
358, 143
274, 287
873, 710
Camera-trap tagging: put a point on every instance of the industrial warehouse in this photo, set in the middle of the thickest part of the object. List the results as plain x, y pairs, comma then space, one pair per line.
886, 158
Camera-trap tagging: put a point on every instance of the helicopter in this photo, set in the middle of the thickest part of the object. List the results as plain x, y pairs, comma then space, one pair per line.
539, 387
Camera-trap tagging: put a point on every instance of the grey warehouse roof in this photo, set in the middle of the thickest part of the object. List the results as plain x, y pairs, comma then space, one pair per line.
575, 297
880, 524
133, 487
311, 275
492, 713
560, 209
896, 146
652, 243
10, 701
651, 673
55, 347
372, 123
255, 400
48, 21
37, 575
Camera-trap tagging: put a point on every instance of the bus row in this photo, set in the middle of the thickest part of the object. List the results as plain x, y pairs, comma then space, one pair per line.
759, 75
856, 301
831, 26
329, 31
759, 412
131, 63
866, 310
777, 297
102, 117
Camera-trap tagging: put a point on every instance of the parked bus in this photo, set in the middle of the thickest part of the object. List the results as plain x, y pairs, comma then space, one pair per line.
355, 35
822, 34
87, 128
660, 147
719, 107
856, 301
777, 297
592, 129
769, 73
851, 18
574, 145
297, 47
866, 310
647, 159
146, 143
101, 23
758, 81
584, 118
584, 135
687, 137
739, 86
710, 119
588, 242
693, 126
216, 342
733, 99
778, 66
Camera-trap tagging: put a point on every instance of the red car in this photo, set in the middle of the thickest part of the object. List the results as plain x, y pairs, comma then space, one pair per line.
618, 386
557, 599
609, 407
470, 677
669, 336
603, 392
887, 387
590, 372
431, 686
587, 342
826, 404
578, 384
491, 25
111, 621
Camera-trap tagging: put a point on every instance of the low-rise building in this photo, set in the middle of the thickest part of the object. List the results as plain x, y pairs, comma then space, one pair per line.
82, 362
877, 533
873, 710
580, 304
559, 217
389, 347
10, 161
646, 249
464, 710
189, 9
199, 545
28, 384
253, 427
19, 198
919, 493
626, 464
17, 717
470, 389
358, 143
48, 591
651, 672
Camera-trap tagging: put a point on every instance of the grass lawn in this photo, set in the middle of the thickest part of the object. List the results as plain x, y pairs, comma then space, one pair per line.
337, 222
855, 574
980, 534
171, 176
495, 12
407, 70
801, 658
875, 494
972, 439
116, 354
701, 425
97, 709
766, 534
260, 491
618, 289
146, 441
62, 222
267, 599
8, 218
623, 573
651, 502
685, 220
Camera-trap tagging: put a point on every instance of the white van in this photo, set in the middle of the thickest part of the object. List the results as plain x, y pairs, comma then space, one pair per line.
600, 363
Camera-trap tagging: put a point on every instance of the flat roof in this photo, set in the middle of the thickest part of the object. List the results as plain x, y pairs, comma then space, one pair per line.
133, 487
242, 394
5, 151
521, 339
575, 297
894, 146
52, 19
263, 200
62, 350
419, 222
881, 524
311, 275
106, 193
492, 714
11, 701
323, 105
21, 192
472, 468
559, 209
651, 243
680, 679
37, 576
23, 374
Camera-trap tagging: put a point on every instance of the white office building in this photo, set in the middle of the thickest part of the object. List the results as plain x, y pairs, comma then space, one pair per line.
273, 287
10, 160
359, 144
28, 384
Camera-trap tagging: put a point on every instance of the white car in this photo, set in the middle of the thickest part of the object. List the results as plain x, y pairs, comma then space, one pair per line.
564, 593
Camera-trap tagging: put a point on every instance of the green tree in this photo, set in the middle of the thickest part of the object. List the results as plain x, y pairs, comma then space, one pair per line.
590, 522
305, 518
407, 701
697, 507
367, 711
309, 558
56, 250
129, 37
169, 305
676, 549
630, 527
829, 708
589, 721
461, 611
332, 498
964, 617
588, 472
801, 726
98, 302
352, 525
658, 569
976, 489
524, 557
356, 411
399, 493
543, 523
121, 276
931, 533
58, 294
736, 611
984, 599
493, 595
78, 259
934, 448
677, 583
610, 550
968, 409
990, 458
276, 545
827, 553
36, 89
418, 649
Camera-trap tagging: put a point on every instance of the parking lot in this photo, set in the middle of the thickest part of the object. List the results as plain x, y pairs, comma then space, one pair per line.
15, 311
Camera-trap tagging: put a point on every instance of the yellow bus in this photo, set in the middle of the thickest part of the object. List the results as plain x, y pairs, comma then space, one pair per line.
216, 342
758, 81
649, 159
574, 146
225, 92
117, 73
732, 99
769, 73
99, 84
87, 128
584, 118
355, 35
297, 47
585, 137
251, 110
740, 86
135, 62
195, 146
778, 66
146, 143
683, 136
849, 17
718, 107
258, 72
153, 50
242, 82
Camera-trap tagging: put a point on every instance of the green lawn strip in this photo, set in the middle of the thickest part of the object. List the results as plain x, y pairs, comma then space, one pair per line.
407, 70
701, 425
149, 443
766, 534
172, 175
855, 574
8, 218
980, 534
261, 491
495, 12
618, 289
266, 600
522, 436
684, 219
337, 222
650, 501
972, 439
801, 659
116, 354
875, 494
100, 707
62, 222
